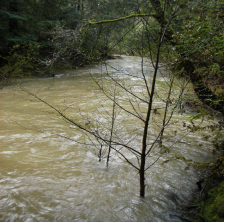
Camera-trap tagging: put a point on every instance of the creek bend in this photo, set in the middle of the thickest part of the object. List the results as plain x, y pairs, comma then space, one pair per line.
47, 178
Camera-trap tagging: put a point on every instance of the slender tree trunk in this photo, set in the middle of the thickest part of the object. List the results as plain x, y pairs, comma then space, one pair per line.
145, 134
142, 176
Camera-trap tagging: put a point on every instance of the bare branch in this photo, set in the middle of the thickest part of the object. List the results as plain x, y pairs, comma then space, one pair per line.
120, 19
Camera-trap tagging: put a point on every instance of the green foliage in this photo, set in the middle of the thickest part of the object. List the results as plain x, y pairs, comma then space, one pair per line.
12, 16
200, 115
20, 61
210, 208
214, 207
218, 139
201, 42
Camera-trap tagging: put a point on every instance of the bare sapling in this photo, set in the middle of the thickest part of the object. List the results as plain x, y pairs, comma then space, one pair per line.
129, 131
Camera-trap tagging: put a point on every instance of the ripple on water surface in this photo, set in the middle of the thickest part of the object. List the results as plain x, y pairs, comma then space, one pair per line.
46, 178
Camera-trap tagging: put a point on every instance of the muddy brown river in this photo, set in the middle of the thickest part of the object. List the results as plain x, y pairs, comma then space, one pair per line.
44, 177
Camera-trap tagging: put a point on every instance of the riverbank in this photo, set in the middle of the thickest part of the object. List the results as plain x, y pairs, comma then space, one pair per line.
208, 203
10, 74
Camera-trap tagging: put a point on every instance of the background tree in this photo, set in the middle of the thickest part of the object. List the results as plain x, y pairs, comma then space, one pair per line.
200, 36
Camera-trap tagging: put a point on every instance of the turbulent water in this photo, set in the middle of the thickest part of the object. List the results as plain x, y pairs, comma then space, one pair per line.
49, 178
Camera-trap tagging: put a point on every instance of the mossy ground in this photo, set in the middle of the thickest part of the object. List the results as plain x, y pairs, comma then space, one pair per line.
213, 206
209, 206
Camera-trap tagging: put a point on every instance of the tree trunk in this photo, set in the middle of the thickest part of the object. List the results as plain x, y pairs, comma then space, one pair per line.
144, 147
145, 134
142, 176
